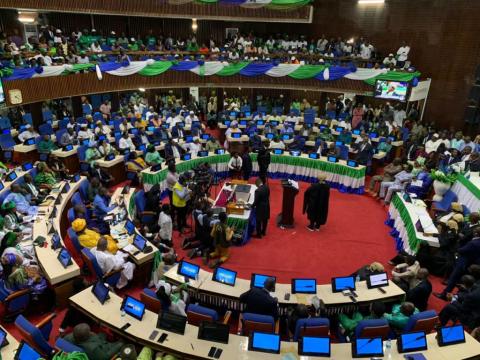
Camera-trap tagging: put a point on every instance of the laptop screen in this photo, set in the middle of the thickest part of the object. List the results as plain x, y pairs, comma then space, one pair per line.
130, 227
343, 283
258, 280
139, 242
225, 276
366, 347
377, 280
304, 286
215, 332
133, 307
188, 269
451, 335
64, 257
314, 346
264, 342
171, 322
413, 341
100, 291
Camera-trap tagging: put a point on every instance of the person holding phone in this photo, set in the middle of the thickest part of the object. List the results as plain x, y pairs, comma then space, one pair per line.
222, 236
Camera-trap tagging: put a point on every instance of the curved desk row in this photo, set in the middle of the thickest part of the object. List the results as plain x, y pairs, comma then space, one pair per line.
302, 168
8, 352
188, 346
214, 293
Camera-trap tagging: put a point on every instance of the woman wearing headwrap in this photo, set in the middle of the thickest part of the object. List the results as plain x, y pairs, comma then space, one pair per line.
13, 221
92, 153
45, 176
365, 271
89, 238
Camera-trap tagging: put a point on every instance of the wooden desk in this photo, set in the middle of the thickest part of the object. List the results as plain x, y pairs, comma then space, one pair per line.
25, 153
69, 159
188, 346
214, 293
115, 167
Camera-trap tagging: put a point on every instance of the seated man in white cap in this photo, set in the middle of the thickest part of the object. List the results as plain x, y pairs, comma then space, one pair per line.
84, 133
390, 60
190, 118
126, 143
193, 147
432, 144
28, 133
109, 262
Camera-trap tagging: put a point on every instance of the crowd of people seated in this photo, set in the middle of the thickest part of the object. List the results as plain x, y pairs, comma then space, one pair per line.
53, 46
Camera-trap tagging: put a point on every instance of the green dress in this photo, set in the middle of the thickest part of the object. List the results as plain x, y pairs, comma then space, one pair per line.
46, 146
153, 158
43, 178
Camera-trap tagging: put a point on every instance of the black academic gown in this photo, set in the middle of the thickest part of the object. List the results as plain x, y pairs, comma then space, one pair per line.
315, 202
262, 203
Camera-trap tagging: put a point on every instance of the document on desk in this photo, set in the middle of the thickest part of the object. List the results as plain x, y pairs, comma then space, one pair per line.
427, 224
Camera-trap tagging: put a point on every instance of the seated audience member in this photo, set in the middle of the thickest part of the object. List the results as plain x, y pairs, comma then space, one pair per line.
57, 166
222, 236
165, 223
89, 238
136, 163
93, 187
92, 152
173, 150
28, 133
193, 147
84, 133
104, 148
45, 177
365, 271
401, 180
404, 274
31, 191
400, 315
385, 146
376, 310
332, 150
141, 138
300, 312
420, 292
101, 207
13, 220
125, 126
277, 144
389, 173
95, 346
97, 172
109, 262
68, 138
152, 157
125, 143
46, 145
20, 273
247, 166
259, 301
173, 298
102, 129
455, 310
22, 204
364, 150
235, 165
212, 144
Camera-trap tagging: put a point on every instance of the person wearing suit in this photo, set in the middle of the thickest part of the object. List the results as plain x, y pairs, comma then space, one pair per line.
259, 301
247, 166
364, 150
261, 204
263, 160
177, 132
419, 294
31, 191
315, 203
173, 150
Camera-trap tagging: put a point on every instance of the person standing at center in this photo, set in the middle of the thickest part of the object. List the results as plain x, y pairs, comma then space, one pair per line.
315, 203
261, 204
181, 194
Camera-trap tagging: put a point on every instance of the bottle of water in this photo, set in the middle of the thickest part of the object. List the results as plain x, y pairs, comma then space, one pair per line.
388, 349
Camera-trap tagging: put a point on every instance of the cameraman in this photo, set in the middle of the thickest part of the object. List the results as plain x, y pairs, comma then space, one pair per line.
181, 194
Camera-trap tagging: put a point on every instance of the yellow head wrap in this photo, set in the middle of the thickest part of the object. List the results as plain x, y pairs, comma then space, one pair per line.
78, 225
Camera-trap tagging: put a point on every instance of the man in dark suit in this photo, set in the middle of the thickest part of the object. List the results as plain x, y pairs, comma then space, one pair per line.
259, 301
261, 204
364, 150
419, 294
173, 150
263, 160
177, 132
315, 203
462, 306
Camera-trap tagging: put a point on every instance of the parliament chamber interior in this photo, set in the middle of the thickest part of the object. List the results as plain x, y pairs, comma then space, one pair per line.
239, 179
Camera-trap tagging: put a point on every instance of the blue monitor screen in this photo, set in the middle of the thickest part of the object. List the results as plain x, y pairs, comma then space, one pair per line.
452, 335
339, 129
134, 131
278, 151
27, 166
265, 342
225, 276
295, 153
304, 286
413, 341
133, 307
68, 147
12, 176
319, 346
220, 151
373, 135
332, 159
64, 257
227, 122
322, 127
26, 352
236, 135
202, 153
274, 123
139, 242
260, 122
100, 291
142, 147
130, 227
30, 141
313, 156
285, 137
343, 283
270, 136
2, 186
205, 136
368, 347
150, 128
233, 114
243, 122
102, 137
189, 138
352, 163
186, 157
356, 132
247, 113
258, 280
6, 131
338, 143
188, 269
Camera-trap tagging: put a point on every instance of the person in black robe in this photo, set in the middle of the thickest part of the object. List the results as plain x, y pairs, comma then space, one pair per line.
246, 165
315, 203
263, 160
261, 204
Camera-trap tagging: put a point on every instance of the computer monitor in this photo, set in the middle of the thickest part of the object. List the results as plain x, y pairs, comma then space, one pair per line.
186, 157
68, 147
1, 186
130, 227
224, 276
30, 141
286, 137
377, 280
227, 123
188, 270
258, 280
64, 257
367, 347
356, 132
133, 131
450, 335
295, 153
304, 286
313, 155
236, 135
270, 136
26, 352
56, 243
205, 136
339, 129
413, 341
189, 138
274, 122
11, 176
133, 307
243, 122
343, 283
202, 153
314, 346
220, 151
338, 143
215, 332
260, 122
27, 166
264, 342
233, 113
101, 137
151, 128
6, 131
277, 151
100, 290
3, 338
139, 242
76, 178
171, 322
247, 113
332, 159
352, 163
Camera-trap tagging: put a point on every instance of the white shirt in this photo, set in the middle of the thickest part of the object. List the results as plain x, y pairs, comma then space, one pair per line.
293, 119
84, 134
277, 145
104, 129
126, 144
431, 146
366, 51
166, 227
107, 261
27, 134
403, 53
192, 147
235, 163
399, 116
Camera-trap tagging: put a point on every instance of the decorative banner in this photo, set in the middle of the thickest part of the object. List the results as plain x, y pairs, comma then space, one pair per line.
151, 67
420, 91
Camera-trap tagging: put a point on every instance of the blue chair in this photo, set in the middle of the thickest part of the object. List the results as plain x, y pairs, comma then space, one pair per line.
149, 298
249, 322
311, 327
308, 118
45, 129
63, 345
38, 335
83, 189
62, 124
6, 141
28, 118
445, 204
295, 112
74, 239
71, 215
111, 278
47, 115
197, 314
421, 191
59, 134
86, 109
76, 199
14, 302
422, 321
344, 149
5, 123
373, 328
145, 217
331, 114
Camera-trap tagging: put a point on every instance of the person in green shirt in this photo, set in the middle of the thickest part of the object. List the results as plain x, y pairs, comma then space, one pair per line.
46, 145
385, 146
400, 315
112, 39
153, 157
92, 153
133, 46
376, 310
345, 137
95, 346
295, 105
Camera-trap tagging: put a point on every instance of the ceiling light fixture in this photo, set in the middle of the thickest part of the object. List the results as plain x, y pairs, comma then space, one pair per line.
371, 2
